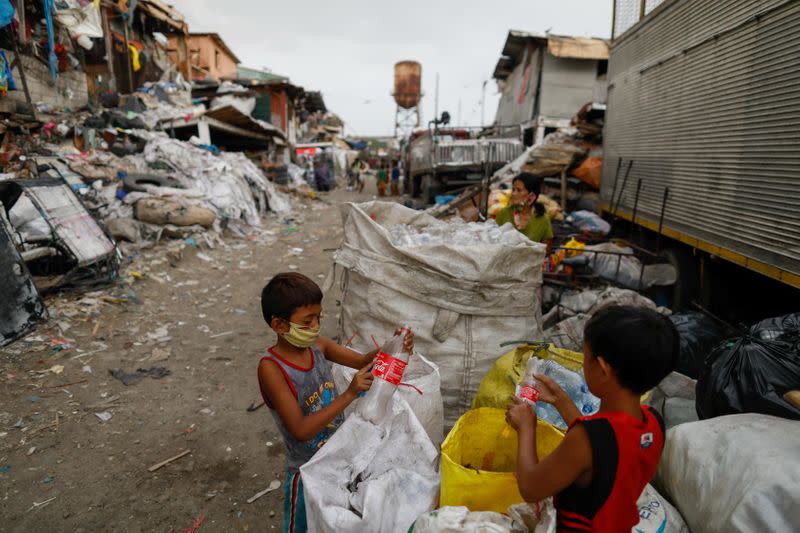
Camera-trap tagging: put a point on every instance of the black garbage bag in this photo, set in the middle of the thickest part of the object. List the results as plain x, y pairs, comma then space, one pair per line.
699, 334
751, 374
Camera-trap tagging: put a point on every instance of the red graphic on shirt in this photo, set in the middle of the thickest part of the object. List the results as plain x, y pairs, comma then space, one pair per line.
388, 368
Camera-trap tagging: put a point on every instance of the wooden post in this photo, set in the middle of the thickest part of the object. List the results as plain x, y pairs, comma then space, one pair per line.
642, 6
183, 48
613, 19
23, 28
128, 58
564, 190
112, 80
204, 131
18, 60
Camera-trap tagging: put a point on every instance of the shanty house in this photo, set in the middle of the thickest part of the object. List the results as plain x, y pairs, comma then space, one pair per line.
210, 58
544, 80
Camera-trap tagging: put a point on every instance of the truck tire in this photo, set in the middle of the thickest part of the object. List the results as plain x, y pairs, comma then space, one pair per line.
685, 289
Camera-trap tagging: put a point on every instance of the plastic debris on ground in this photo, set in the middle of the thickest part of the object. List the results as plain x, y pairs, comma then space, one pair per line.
131, 378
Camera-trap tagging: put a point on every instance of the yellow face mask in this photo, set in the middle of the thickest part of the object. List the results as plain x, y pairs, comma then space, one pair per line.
301, 336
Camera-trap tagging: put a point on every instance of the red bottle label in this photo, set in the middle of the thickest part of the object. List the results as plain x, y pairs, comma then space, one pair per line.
388, 368
526, 392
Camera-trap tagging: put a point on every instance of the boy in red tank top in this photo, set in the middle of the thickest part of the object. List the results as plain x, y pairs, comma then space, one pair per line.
605, 460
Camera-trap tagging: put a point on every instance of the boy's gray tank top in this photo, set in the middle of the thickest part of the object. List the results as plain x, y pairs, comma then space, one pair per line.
314, 389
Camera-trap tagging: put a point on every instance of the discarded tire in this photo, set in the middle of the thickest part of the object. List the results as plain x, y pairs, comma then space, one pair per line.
137, 182
162, 211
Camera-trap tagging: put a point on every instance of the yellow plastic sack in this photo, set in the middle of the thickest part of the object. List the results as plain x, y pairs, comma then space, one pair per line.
497, 387
479, 457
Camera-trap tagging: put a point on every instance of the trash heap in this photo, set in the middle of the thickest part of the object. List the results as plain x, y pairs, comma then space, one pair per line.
82, 189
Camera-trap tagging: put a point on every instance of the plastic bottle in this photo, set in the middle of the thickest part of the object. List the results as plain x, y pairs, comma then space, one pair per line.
388, 367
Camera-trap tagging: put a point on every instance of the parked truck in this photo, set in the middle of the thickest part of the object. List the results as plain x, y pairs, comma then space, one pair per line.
450, 159
702, 142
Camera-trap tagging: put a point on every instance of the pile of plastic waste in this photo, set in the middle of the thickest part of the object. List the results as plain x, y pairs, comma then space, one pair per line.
456, 233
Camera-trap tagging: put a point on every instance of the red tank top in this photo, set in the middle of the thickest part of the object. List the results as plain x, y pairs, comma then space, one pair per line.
625, 454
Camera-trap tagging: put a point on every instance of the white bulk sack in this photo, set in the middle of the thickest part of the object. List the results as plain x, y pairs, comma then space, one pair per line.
657, 515
736, 473
462, 301
421, 388
370, 478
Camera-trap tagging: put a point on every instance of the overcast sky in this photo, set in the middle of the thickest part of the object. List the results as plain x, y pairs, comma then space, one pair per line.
347, 49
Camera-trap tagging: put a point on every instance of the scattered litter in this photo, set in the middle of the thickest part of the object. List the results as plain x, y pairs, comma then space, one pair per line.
293, 267
159, 355
5, 469
56, 369
87, 369
37, 505
155, 372
296, 251
49, 479
168, 461
31, 450
196, 525
34, 399
205, 258
104, 416
59, 344
253, 406
274, 485
225, 334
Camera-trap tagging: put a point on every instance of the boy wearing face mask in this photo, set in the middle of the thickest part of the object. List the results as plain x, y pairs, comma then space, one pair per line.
296, 380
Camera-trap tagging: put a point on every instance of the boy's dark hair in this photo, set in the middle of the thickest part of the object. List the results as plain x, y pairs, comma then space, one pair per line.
287, 292
533, 184
639, 344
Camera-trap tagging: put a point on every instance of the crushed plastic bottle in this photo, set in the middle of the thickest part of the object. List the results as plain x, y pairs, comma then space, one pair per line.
573, 384
388, 367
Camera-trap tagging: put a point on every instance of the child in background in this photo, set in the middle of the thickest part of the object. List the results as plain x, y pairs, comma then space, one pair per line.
382, 181
604, 462
296, 380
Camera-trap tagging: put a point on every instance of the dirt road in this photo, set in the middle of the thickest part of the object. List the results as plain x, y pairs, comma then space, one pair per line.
62, 468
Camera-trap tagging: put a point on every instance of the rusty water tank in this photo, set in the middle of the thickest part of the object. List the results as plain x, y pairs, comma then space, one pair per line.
407, 83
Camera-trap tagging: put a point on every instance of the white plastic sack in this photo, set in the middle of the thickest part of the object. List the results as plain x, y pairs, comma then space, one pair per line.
657, 515
461, 301
421, 389
736, 473
81, 20
522, 518
370, 478
674, 399
460, 519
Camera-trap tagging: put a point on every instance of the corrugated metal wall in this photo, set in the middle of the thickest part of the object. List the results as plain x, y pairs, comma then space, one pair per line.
516, 102
567, 84
704, 98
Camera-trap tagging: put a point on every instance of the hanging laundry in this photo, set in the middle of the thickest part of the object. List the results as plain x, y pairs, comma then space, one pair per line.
6, 13
6, 78
52, 61
134, 58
